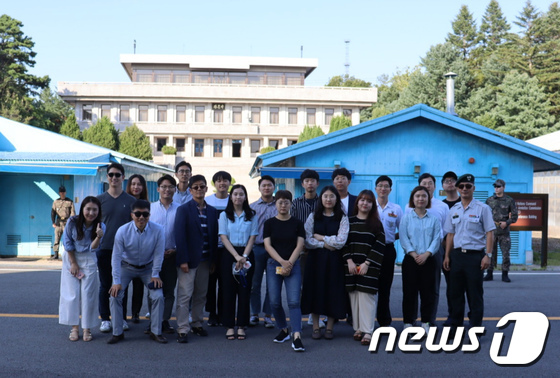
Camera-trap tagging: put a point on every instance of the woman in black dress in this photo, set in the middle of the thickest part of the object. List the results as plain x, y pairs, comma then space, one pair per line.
326, 232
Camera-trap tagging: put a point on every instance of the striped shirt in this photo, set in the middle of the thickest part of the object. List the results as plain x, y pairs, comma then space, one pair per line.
302, 207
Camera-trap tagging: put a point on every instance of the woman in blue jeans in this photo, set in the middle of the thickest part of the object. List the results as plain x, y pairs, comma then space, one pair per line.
284, 238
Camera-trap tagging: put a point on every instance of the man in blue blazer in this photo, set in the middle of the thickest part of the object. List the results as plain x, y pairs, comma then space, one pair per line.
196, 236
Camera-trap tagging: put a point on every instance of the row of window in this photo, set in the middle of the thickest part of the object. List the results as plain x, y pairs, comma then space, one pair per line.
217, 114
201, 77
218, 145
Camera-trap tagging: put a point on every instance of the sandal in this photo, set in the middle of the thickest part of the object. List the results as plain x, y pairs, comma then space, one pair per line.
329, 334
230, 336
366, 340
358, 335
241, 336
87, 335
316, 335
73, 335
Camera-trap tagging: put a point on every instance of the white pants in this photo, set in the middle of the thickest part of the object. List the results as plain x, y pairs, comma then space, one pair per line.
79, 296
363, 311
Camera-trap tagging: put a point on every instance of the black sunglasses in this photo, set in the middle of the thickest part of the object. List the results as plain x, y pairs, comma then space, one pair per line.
117, 175
497, 186
139, 214
463, 186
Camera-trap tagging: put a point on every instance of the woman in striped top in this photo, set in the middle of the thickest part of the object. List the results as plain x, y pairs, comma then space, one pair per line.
363, 256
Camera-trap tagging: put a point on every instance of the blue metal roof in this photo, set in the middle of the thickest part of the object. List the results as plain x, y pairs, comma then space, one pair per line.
544, 160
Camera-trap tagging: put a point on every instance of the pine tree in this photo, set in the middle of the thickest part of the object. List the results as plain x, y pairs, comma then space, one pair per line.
494, 27
135, 143
71, 128
310, 132
339, 122
523, 57
102, 133
464, 35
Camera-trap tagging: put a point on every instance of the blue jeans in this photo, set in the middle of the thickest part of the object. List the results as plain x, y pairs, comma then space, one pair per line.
293, 294
260, 256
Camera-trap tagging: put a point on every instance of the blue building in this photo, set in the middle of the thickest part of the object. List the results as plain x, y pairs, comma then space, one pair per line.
410, 142
33, 164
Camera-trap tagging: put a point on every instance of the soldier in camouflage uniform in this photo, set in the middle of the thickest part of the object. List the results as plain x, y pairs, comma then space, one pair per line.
62, 209
504, 213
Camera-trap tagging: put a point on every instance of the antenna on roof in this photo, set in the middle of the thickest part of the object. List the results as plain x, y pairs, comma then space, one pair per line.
347, 63
135, 46
301, 55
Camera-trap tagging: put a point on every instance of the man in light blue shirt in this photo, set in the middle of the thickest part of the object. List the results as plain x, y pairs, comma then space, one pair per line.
163, 213
138, 252
183, 194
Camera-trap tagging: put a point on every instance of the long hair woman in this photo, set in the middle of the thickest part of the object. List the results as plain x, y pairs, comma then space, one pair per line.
326, 231
238, 228
137, 187
79, 282
363, 255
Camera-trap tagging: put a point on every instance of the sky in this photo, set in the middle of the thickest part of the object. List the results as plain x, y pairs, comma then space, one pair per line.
78, 41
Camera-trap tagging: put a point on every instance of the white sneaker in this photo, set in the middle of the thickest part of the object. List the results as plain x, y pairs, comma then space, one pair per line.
125, 326
310, 321
105, 326
426, 327
147, 315
268, 323
407, 325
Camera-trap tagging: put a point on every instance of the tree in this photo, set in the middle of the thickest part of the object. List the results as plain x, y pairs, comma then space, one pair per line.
522, 108
16, 55
71, 128
135, 143
102, 133
339, 122
347, 81
15, 107
310, 132
50, 111
494, 27
464, 36
266, 149
526, 49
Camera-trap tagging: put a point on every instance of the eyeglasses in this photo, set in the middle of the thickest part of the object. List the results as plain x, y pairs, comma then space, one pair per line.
449, 181
383, 186
497, 186
112, 174
139, 214
183, 171
463, 186
196, 187
167, 187
284, 203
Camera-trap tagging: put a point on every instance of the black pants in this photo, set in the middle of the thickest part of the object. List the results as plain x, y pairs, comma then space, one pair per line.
137, 296
168, 275
385, 282
104, 257
235, 292
214, 300
418, 279
466, 277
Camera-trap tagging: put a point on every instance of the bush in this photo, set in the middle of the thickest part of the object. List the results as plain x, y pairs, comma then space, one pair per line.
264, 150
169, 150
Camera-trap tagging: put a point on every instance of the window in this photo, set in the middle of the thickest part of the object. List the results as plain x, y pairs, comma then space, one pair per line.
291, 142
143, 113
180, 144
292, 116
256, 78
181, 76
294, 79
237, 78
160, 142
274, 143
329, 112
274, 78
218, 116
347, 112
144, 76
311, 116
199, 147
218, 147
181, 114
236, 114
124, 113
274, 116
255, 147
199, 113
255, 115
86, 112
162, 76
236, 147
162, 113
219, 78
106, 111
201, 77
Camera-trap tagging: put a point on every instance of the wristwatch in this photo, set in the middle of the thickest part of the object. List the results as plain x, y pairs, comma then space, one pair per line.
245, 256
489, 255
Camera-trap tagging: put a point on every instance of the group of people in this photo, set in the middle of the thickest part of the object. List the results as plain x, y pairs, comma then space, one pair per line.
333, 252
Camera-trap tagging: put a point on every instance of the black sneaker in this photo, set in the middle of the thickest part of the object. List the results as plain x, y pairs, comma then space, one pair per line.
282, 336
166, 327
297, 345
182, 338
199, 331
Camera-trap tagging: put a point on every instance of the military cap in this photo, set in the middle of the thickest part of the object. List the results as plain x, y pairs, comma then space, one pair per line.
465, 178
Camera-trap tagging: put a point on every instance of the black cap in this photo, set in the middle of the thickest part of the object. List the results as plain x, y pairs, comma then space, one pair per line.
449, 174
62, 189
465, 178
499, 182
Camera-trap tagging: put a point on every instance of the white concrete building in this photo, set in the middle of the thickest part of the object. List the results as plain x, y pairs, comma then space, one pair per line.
217, 111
